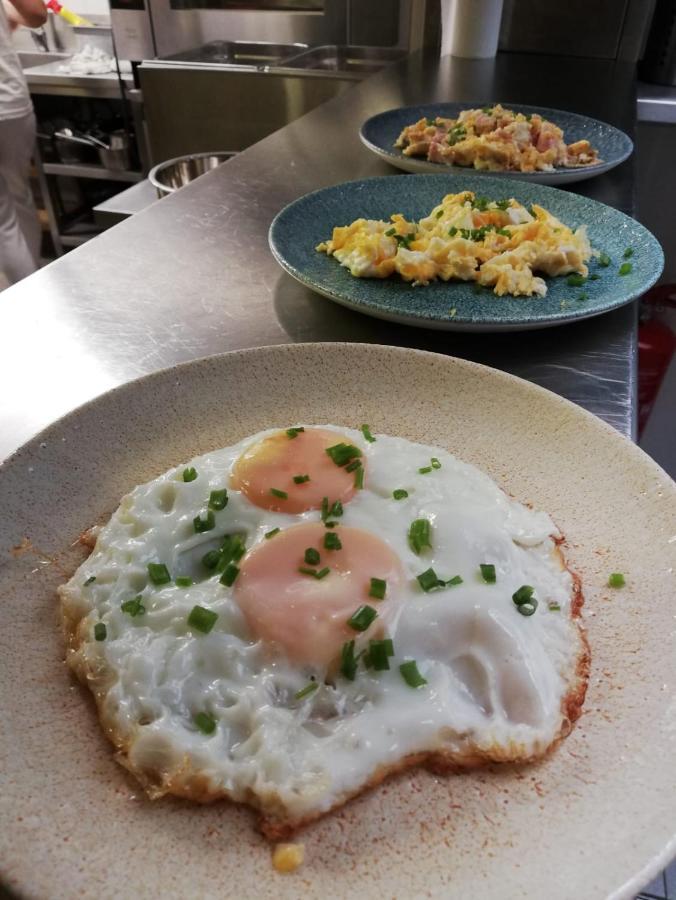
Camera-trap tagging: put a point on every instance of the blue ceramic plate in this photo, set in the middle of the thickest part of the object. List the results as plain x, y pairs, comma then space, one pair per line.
381, 131
299, 227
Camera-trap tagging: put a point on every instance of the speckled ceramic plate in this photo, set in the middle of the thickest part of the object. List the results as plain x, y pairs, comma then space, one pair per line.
456, 306
595, 819
380, 132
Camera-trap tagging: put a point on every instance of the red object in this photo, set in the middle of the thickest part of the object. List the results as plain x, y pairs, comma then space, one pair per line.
656, 345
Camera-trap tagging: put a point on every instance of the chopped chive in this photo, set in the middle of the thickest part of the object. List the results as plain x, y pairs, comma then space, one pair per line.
420, 535
604, 260
457, 579
628, 253
487, 109
189, 474
362, 618
428, 580
391, 232
359, 478
322, 573
332, 541
342, 454
202, 619
218, 499
158, 573
211, 559
312, 556
527, 609
134, 607
554, 607
594, 276
100, 631
377, 588
488, 572
616, 580
328, 511
325, 508
348, 661
400, 494
502, 204
523, 595
452, 231
183, 581
204, 524
625, 268
411, 675
366, 431
425, 470
292, 433
439, 214
330, 524
336, 509
90, 580
304, 570
378, 654
205, 722
277, 493
355, 464
271, 534
306, 691
435, 463
232, 550
583, 296
229, 575
300, 479
575, 280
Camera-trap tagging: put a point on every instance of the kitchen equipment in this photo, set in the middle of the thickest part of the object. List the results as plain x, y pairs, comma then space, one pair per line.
173, 174
114, 155
470, 28
457, 305
74, 149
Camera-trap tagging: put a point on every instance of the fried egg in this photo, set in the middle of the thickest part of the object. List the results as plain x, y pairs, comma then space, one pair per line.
497, 243
284, 621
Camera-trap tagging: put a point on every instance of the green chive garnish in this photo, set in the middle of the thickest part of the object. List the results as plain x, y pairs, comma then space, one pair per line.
488, 572
391, 232
342, 454
502, 204
348, 661
524, 600
183, 581
411, 675
332, 541
306, 691
594, 276
425, 470
362, 618
232, 550
189, 474
355, 464
420, 535
202, 619
204, 524
271, 534
90, 580
378, 655
575, 280
229, 575
205, 722
554, 607
134, 607
292, 433
218, 499
377, 588
625, 268
457, 579
211, 559
100, 631
300, 479
628, 253
312, 556
400, 494
359, 478
322, 572
277, 493
428, 580
158, 573
616, 580
604, 260
366, 431
439, 214
435, 463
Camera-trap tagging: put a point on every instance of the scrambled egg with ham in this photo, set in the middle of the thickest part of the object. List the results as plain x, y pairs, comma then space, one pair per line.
499, 244
495, 139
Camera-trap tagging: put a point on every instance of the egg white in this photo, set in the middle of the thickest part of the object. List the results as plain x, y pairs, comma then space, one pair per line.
496, 680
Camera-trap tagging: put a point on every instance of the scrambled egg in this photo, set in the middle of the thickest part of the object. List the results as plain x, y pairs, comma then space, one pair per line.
499, 244
495, 139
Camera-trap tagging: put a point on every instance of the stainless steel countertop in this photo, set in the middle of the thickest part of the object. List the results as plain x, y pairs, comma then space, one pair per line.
192, 275
656, 103
47, 78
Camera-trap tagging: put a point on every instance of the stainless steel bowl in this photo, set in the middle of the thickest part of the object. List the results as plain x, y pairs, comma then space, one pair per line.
173, 174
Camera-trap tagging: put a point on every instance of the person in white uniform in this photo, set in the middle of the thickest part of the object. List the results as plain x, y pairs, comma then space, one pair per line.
19, 225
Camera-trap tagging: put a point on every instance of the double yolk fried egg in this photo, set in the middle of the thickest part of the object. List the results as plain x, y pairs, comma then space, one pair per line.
498, 244
283, 621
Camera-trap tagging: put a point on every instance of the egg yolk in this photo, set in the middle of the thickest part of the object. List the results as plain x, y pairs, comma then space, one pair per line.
268, 468
304, 616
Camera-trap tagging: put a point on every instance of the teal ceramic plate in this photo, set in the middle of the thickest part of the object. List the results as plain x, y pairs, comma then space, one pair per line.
381, 131
299, 227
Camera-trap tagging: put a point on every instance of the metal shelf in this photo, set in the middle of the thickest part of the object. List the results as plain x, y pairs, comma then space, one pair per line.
84, 171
